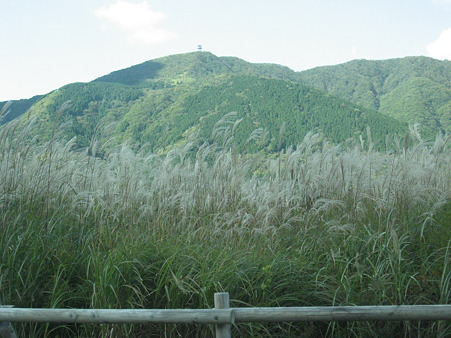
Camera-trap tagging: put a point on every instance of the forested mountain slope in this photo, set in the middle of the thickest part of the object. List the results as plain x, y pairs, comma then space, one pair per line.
165, 101
13, 109
188, 67
411, 89
165, 116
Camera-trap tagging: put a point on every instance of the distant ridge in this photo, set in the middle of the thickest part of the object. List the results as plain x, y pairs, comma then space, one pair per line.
195, 65
411, 89
168, 100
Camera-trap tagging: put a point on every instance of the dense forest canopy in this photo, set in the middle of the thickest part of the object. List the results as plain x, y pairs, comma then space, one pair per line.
166, 101
411, 89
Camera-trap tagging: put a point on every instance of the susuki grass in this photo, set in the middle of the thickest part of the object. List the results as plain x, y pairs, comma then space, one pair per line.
318, 224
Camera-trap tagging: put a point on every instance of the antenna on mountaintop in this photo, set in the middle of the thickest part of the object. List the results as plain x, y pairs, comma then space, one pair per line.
199, 48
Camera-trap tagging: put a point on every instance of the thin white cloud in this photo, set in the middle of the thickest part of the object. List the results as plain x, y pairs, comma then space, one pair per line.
137, 19
441, 48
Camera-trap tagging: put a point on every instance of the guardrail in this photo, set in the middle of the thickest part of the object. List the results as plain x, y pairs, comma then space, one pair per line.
222, 315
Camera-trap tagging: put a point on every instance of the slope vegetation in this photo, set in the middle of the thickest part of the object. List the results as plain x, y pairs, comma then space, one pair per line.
283, 112
166, 101
411, 89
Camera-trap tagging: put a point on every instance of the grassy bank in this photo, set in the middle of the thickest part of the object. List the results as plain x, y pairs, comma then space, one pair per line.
316, 225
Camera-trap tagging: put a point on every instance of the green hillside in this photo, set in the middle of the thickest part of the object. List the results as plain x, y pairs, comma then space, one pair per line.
162, 117
188, 67
165, 101
412, 89
13, 109
273, 105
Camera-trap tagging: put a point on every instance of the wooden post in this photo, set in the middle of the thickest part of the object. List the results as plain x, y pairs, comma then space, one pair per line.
6, 329
222, 301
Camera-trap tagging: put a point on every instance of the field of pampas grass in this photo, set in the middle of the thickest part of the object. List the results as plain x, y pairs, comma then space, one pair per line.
316, 224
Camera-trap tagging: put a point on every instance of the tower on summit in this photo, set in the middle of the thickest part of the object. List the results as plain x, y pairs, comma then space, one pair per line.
199, 48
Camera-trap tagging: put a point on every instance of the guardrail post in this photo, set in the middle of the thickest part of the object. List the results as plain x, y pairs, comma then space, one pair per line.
6, 329
222, 301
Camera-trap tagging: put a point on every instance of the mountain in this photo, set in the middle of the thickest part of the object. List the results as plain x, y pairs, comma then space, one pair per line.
270, 104
13, 109
166, 101
180, 68
411, 89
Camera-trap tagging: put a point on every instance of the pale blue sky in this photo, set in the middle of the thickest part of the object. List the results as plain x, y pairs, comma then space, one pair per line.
46, 44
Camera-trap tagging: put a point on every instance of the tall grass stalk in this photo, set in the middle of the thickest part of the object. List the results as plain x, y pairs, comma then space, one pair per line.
317, 224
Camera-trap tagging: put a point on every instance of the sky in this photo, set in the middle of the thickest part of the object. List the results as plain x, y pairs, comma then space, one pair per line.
46, 44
